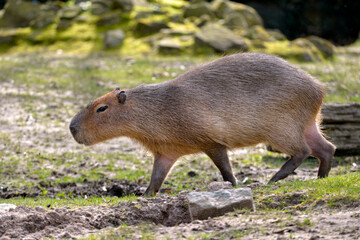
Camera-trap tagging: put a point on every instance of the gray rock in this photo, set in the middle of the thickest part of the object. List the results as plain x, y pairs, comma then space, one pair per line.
70, 12
219, 38
114, 38
216, 186
4, 207
212, 204
168, 45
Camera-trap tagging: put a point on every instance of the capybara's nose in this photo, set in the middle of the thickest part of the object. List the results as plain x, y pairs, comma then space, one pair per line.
73, 129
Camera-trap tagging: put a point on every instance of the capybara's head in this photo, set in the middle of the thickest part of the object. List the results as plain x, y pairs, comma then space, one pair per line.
101, 119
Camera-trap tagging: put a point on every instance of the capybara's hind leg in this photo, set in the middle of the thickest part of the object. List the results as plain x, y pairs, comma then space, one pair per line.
290, 166
320, 148
219, 156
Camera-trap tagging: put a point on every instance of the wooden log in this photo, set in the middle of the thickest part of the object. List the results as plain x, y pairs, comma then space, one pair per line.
341, 125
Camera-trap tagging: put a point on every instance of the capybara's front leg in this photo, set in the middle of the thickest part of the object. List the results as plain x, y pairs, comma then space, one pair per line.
162, 166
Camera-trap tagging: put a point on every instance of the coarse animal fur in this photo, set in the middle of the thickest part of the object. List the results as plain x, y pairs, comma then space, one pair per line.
235, 101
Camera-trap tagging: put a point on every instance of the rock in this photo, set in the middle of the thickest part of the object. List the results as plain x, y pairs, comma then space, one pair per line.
63, 24
4, 207
168, 45
108, 20
146, 27
223, 8
203, 205
99, 7
70, 12
216, 186
124, 5
114, 38
7, 39
310, 53
341, 124
235, 21
198, 9
19, 13
259, 33
43, 19
325, 46
219, 38
276, 34
176, 32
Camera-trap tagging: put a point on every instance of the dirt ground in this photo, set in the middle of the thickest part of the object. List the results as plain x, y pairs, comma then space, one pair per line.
169, 215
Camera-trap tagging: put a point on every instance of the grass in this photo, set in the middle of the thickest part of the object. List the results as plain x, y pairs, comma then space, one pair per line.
335, 191
66, 201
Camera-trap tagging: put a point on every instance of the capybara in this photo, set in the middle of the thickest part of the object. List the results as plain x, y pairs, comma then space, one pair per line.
235, 101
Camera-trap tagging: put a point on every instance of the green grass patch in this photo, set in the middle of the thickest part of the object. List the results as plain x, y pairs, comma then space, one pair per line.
65, 201
334, 191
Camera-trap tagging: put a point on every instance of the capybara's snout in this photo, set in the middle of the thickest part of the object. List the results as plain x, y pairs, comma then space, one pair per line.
75, 129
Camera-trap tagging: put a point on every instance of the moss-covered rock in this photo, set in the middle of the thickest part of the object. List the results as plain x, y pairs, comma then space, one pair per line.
325, 46
223, 8
147, 27
64, 24
276, 34
310, 52
99, 7
19, 13
124, 5
108, 19
219, 38
43, 19
236, 21
198, 9
259, 33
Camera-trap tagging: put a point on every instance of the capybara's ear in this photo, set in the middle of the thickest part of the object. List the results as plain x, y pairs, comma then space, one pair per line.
117, 89
121, 96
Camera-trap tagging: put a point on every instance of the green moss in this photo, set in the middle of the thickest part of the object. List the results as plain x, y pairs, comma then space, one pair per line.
291, 51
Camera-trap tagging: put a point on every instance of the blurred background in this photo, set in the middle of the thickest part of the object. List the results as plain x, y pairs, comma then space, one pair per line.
301, 30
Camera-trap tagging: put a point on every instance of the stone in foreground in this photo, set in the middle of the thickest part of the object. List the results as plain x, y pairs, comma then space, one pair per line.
212, 204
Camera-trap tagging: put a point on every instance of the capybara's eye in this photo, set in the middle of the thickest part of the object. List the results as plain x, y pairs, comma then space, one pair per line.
101, 109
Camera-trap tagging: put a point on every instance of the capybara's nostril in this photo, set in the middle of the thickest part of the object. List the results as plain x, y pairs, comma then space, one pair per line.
73, 130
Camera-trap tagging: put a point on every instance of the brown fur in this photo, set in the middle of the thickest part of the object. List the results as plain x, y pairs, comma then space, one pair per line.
235, 101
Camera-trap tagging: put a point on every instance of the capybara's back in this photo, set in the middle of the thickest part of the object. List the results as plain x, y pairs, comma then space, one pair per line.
235, 101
